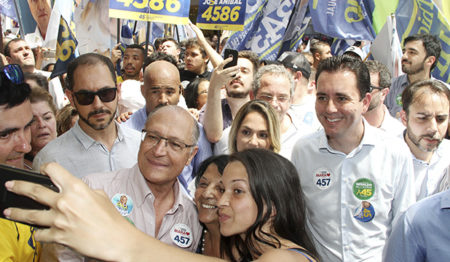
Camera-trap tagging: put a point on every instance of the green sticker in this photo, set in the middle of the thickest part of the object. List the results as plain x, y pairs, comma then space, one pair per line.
363, 188
398, 100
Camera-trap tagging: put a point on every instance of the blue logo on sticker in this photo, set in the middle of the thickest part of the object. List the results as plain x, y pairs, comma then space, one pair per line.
123, 203
365, 212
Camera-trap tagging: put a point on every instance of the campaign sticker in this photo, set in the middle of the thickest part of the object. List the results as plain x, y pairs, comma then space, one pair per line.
123, 203
322, 178
363, 188
181, 235
365, 212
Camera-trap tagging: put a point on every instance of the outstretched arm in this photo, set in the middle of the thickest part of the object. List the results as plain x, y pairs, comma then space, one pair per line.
215, 57
86, 221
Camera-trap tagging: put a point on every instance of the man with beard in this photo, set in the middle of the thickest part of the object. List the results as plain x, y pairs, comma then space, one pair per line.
219, 113
96, 143
420, 55
425, 115
377, 114
131, 98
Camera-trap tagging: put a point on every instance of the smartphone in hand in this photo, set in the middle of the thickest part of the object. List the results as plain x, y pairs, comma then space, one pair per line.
233, 53
9, 199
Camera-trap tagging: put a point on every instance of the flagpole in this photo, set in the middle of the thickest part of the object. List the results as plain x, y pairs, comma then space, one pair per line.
147, 37
19, 17
1, 35
118, 30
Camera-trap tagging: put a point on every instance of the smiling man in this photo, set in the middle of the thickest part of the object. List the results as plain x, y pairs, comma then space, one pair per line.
425, 115
356, 178
92, 90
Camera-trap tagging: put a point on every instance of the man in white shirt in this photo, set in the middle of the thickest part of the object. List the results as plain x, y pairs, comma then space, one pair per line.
425, 115
356, 179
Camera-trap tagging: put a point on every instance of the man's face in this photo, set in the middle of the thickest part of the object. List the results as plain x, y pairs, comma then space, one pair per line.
132, 62
275, 89
40, 10
338, 104
413, 59
15, 133
21, 54
427, 120
241, 85
160, 90
170, 48
194, 60
98, 115
160, 163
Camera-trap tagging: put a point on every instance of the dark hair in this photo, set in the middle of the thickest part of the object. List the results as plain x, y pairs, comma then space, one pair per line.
158, 56
191, 92
64, 118
375, 66
165, 39
252, 57
87, 59
7, 48
12, 94
136, 46
275, 187
158, 42
48, 66
316, 46
193, 43
220, 161
40, 80
432, 85
430, 43
347, 63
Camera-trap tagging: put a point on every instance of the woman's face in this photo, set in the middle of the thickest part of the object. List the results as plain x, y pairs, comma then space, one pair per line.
253, 132
237, 208
43, 129
207, 195
202, 94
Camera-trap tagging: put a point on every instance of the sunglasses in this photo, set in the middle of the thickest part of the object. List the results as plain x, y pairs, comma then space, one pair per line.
13, 73
87, 97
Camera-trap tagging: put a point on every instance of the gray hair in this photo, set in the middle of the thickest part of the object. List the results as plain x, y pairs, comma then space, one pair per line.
276, 70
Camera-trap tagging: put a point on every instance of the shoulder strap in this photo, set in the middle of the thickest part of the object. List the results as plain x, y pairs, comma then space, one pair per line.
300, 251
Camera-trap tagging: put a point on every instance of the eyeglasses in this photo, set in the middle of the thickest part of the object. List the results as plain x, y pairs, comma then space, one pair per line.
13, 73
269, 98
87, 97
153, 139
375, 87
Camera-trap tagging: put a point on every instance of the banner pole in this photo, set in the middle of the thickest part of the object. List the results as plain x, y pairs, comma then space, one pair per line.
118, 30
19, 17
147, 38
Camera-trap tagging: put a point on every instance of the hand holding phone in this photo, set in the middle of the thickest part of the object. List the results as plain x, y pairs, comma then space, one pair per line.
231, 53
9, 199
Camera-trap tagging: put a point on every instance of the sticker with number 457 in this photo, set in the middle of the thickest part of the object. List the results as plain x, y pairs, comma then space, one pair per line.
323, 178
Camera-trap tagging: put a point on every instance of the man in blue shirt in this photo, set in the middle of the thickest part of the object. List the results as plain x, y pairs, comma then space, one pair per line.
422, 232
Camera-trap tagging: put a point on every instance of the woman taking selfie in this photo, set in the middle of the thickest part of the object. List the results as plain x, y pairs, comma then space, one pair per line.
261, 215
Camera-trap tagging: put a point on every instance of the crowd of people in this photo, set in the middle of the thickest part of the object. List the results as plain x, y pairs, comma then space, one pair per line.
170, 154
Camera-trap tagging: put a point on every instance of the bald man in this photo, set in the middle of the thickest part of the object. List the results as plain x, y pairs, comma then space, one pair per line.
162, 87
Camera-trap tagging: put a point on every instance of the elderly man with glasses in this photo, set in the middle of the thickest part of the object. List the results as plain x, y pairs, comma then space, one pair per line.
149, 195
96, 143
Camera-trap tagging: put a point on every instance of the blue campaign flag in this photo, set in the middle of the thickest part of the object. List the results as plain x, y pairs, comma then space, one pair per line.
126, 33
65, 48
351, 19
253, 16
297, 27
8, 9
422, 16
265, 35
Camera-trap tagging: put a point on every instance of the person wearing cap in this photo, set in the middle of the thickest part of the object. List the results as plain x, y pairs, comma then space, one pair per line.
304, 99
377, 114
355, 51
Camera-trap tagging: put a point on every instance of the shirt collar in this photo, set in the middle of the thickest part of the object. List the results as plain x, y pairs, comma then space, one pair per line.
88, 141
369, 138
143, 191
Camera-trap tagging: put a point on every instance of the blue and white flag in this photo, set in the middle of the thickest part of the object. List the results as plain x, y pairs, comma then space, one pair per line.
126, 33
297, 27
8, 9
343, 19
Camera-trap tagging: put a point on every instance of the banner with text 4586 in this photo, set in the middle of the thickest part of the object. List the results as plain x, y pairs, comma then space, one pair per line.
164, 11
221, 14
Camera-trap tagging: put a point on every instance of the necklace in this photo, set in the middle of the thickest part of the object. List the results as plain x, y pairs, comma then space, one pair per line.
203, 240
